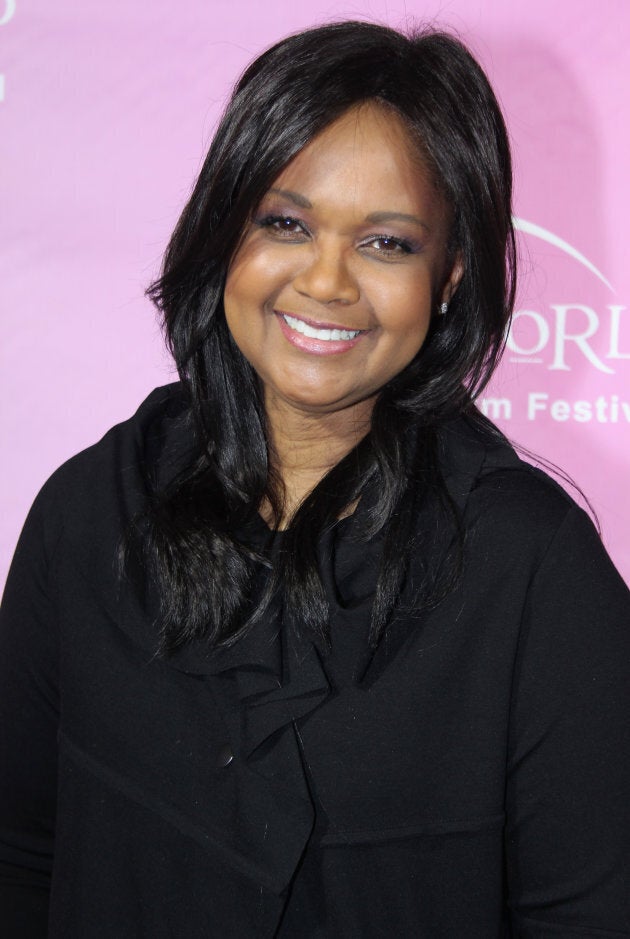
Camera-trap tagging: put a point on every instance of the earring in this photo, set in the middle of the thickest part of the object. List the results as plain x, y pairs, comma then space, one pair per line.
442, 309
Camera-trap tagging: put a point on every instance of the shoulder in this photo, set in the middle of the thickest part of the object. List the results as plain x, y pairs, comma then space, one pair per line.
109, 482
527, 544
510, 508
131, 452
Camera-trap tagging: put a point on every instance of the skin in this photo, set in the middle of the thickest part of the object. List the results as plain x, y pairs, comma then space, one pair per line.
351, 236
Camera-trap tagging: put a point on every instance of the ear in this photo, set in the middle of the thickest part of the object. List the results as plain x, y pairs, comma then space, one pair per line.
452, 282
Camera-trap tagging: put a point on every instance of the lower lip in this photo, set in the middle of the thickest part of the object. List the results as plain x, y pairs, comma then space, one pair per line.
316, 346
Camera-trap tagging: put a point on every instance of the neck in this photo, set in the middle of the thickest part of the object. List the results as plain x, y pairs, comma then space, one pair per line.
305, 446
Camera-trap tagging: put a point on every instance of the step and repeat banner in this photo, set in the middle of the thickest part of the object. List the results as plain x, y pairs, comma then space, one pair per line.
106, 111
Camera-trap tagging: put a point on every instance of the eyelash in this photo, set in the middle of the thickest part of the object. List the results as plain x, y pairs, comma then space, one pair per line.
277, 223
400, 245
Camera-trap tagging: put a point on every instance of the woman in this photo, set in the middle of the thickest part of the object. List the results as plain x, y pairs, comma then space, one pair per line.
359, 670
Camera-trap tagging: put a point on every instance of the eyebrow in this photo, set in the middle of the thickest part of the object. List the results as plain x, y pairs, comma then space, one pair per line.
294, 197
375, 218
378, 217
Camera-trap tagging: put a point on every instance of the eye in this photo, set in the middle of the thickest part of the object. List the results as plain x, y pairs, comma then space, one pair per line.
388, 246
282, 226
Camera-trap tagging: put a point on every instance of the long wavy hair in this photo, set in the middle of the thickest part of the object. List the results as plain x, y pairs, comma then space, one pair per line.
192, 533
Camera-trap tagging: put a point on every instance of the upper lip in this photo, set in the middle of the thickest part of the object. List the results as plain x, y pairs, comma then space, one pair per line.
317, 324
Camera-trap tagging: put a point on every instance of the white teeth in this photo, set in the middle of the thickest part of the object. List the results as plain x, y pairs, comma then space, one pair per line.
327, 334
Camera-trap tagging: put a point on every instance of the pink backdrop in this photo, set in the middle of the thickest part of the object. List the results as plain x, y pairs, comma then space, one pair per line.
106, 111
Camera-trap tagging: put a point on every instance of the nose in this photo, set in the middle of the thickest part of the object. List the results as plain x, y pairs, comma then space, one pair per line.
327, 277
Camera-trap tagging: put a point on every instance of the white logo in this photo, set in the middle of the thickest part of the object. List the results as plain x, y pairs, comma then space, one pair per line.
9, 12
596, 336
530, 228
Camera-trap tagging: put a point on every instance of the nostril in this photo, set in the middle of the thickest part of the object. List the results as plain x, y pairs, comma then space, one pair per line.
327, 281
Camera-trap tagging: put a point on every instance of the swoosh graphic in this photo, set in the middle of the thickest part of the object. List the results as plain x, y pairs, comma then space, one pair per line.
9, 12
530, 228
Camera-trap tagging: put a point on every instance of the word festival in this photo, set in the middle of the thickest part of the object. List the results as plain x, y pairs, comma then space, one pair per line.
604, 409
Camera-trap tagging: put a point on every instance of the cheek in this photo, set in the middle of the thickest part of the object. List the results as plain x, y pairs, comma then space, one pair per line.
242, 296
238, 289
236, 306
255, 271
247, 298
405, 308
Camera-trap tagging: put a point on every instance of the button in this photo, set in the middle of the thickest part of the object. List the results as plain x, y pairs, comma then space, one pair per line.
225, 755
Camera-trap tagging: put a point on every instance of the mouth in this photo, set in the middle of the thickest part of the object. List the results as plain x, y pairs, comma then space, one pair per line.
319, 331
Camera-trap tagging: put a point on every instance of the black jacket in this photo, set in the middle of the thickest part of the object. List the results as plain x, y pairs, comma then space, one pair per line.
474, 782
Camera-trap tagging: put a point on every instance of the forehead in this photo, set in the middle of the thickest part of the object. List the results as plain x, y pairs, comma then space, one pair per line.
366, 157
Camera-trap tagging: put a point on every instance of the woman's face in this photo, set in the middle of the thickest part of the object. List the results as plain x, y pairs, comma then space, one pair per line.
331, 291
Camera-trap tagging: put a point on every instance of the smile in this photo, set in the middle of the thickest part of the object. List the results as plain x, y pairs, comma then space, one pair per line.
325, 334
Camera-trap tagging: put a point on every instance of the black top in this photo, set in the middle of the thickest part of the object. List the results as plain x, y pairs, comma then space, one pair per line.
470, 778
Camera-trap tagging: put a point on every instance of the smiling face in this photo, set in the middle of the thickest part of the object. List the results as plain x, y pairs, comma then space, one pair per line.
332, 289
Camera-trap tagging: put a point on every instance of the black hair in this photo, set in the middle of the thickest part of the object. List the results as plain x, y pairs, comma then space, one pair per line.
205, 571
